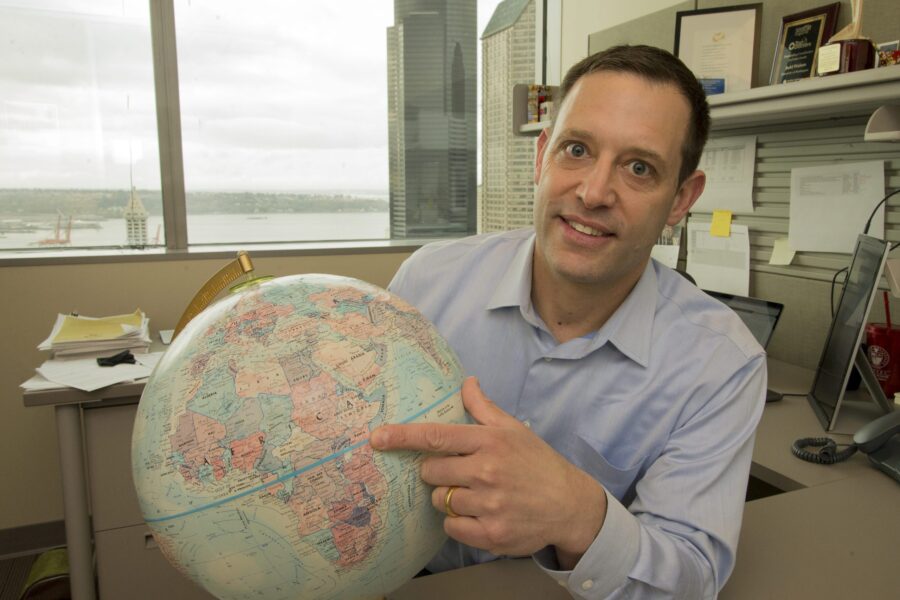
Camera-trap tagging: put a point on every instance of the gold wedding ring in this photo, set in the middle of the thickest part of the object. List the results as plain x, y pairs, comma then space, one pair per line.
447, 498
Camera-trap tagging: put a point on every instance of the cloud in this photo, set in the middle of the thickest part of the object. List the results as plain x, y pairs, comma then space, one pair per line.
278, 94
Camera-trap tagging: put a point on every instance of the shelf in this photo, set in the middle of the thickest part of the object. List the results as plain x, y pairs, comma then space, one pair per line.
533, 128
520, 125
843, 95
884, 125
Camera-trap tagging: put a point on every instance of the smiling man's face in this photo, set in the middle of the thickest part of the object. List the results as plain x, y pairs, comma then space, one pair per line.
607, 179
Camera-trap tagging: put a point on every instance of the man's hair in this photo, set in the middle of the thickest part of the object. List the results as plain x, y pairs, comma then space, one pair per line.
659, 66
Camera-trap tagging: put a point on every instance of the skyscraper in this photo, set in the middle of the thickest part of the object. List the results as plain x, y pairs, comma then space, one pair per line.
135, 221
507, 160
431, 118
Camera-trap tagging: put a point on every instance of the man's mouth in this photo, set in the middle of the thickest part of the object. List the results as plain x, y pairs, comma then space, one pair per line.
579, 227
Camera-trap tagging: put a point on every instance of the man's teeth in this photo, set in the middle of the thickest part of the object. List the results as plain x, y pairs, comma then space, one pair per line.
585, 229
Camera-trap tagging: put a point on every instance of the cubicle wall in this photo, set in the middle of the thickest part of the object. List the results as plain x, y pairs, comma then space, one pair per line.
797, 139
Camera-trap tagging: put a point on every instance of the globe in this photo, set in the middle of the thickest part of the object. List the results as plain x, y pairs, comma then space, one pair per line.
250, 450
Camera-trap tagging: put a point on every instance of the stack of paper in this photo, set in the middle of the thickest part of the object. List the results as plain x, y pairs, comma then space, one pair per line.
85, 374
79, 336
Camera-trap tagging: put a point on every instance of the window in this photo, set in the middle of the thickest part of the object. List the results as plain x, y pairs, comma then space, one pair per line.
296, 121
284, 119
77, 126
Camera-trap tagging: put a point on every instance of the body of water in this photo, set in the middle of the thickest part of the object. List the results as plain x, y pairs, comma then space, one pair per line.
209, 229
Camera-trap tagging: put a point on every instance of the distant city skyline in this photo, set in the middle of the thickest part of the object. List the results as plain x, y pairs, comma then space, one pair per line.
294, 106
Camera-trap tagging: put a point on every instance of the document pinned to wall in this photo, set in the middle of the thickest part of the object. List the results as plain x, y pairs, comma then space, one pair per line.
729, 164
668, 245
719, 264
830, 205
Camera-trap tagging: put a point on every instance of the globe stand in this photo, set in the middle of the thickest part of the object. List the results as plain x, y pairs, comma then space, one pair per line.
240, 266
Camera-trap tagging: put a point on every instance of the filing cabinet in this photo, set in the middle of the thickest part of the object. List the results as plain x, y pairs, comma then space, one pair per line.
129, 563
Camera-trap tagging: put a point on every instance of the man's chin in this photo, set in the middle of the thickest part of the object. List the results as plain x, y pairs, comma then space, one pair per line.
579, 275
608, 274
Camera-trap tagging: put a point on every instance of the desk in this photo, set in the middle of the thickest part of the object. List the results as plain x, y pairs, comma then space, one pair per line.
794, 545
835, 541
68, 404
832, 535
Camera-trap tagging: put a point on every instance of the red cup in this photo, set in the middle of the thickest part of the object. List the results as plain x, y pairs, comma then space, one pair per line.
884, 356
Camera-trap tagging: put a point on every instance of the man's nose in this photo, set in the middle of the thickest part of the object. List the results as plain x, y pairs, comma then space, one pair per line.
596, 188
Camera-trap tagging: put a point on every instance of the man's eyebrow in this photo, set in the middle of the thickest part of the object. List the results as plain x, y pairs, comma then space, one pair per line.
575, 133
646, 153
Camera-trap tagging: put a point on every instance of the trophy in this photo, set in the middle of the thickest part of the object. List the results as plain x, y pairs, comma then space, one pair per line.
847, 50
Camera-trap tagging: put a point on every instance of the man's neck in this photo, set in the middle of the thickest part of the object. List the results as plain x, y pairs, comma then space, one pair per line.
570, 309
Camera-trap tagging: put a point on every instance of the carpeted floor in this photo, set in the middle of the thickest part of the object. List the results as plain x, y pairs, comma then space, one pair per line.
13, 573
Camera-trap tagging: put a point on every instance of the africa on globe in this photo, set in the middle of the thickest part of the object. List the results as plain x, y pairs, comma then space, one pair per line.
250, 451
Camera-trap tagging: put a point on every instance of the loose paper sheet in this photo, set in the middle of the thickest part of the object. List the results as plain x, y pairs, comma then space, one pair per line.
782, 253
86, 375
830, 205
729, 164
719, 264
668, 245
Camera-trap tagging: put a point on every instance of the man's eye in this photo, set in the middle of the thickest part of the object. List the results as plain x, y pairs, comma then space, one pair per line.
576, 150
639, 168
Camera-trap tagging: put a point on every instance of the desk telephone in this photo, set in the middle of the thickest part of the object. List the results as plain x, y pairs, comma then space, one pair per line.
879, 439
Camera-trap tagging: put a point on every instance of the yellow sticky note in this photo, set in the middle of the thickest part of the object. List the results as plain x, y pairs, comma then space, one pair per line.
721, 223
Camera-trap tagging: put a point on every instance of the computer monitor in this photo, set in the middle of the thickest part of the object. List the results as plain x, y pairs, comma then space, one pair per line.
842, 345
760, 316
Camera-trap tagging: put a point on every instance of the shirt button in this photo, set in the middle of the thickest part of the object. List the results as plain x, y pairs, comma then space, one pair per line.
527, 424
587, 584
562, 583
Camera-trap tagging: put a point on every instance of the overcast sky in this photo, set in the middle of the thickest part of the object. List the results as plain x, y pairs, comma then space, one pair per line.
297, 102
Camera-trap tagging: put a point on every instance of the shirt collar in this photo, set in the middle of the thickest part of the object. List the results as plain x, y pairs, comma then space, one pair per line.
629, 328
514, 287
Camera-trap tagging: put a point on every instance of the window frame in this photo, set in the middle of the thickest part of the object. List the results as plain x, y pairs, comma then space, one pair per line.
172, 185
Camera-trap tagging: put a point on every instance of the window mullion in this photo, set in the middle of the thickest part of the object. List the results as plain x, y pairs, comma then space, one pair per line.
168, 119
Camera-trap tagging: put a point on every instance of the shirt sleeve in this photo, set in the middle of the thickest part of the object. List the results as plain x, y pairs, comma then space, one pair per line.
678, 537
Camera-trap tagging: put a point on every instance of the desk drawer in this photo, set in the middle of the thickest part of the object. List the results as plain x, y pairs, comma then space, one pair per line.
107, 432
130, 565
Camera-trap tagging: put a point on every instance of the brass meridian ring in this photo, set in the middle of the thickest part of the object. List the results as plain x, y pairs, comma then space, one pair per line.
447, 498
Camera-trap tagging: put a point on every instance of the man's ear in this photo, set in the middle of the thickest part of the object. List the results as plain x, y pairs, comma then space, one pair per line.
542, 141
686, 196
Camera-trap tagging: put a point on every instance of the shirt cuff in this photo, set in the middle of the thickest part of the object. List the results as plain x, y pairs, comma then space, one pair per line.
608, 561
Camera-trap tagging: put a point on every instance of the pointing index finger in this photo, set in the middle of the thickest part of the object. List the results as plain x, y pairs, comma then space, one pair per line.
440, 438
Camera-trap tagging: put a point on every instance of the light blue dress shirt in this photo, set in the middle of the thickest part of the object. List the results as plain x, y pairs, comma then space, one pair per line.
659, 405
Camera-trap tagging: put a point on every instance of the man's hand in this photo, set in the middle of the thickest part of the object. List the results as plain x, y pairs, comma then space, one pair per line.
515, 494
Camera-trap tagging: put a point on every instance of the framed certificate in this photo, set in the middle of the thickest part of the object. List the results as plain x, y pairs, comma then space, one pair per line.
799, 40
720, 45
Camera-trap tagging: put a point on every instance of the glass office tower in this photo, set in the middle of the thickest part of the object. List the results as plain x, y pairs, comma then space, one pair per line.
432, 118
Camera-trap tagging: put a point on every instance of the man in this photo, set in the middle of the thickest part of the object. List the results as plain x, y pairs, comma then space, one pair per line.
617, 447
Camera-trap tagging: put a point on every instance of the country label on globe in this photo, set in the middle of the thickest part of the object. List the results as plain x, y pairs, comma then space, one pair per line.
250, 450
